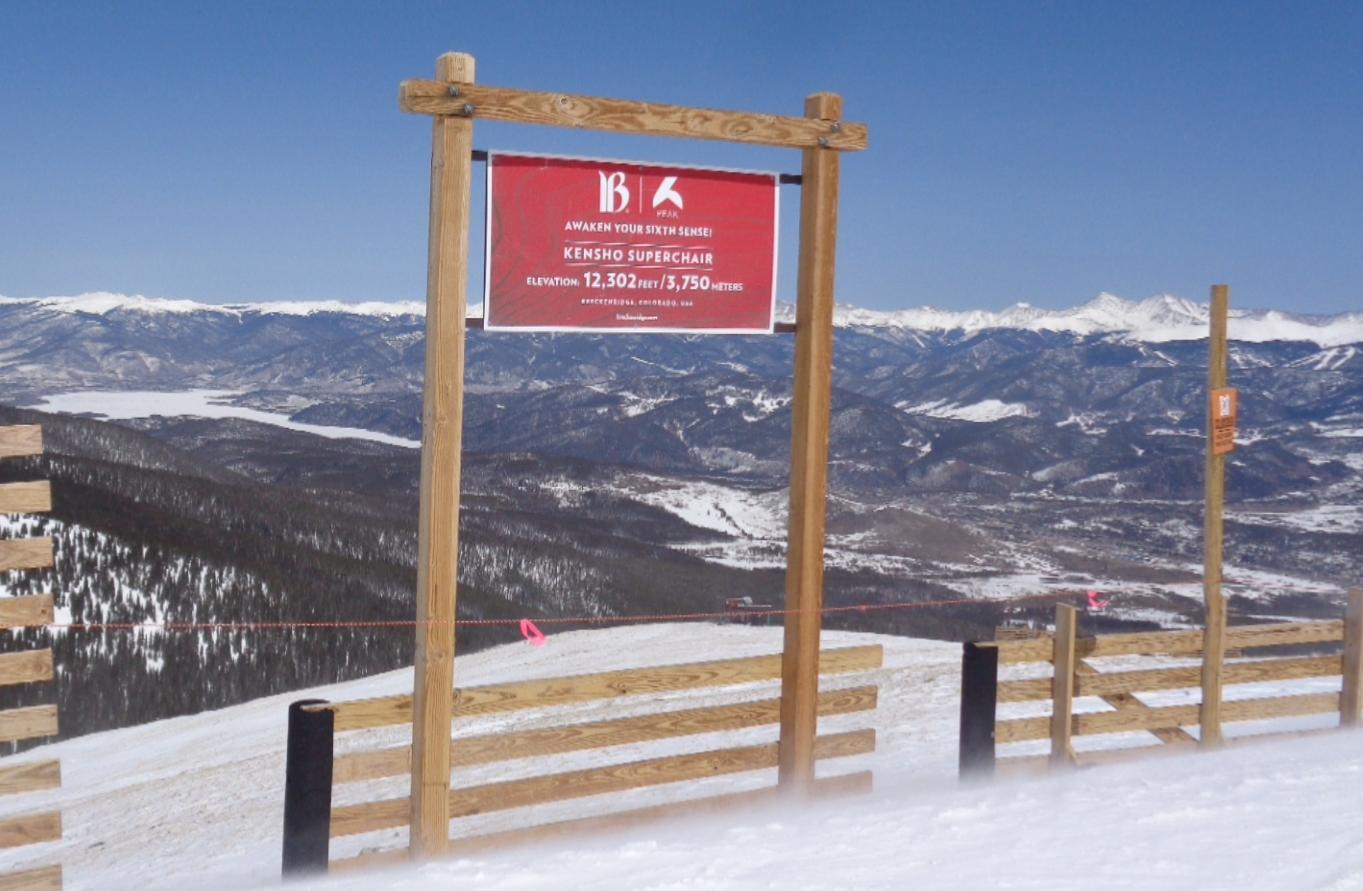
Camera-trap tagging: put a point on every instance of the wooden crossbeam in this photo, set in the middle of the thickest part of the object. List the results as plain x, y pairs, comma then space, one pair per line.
26, 498
28, 723
25, 667
1038, 764
858, 783
1127, 700
1149, 680
21, 440
394, 812
47, 878
25, 612
1022, 729
469, 751
1173, 643
384, 711
26, 553
16, 832
483, 102
34, 776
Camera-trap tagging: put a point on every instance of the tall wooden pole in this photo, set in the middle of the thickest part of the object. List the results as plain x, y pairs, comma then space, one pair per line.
1062, 686
1214, 635
809, 454
441, 442
1351, 690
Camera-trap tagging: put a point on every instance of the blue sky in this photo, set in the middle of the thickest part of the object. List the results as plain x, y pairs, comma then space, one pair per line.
1041, 152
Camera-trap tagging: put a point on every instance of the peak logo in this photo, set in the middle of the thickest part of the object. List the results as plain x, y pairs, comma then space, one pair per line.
666, 193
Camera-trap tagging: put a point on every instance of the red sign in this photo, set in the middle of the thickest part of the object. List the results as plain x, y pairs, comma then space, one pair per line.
1225, 409
582, 245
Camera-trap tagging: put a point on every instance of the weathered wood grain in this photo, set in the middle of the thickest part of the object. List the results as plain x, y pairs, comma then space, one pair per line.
441, 449
1351, 695
26, 553
34, 776
810, 413
30, 829
25, 667
21, 440
629, 116
469, 751
1062, 683
1173, 643
25, 612
1127, 700
1149, 680
392, 813
362, 714
858, 783
1021, 729
47, 878
26, 498
1214, 480
28, 723
1018, 765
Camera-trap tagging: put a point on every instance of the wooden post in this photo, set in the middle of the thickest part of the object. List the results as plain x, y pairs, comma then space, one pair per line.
979, 709
809, 454
1062, 687
1214, 633
1351, 696
441, 444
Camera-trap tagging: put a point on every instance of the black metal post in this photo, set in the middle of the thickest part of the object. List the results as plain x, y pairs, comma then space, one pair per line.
979, 698
307, 789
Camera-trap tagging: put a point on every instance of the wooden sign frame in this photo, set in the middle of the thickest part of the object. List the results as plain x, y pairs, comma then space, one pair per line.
454, 101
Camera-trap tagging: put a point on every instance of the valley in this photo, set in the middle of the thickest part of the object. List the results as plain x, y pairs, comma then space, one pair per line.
246, 466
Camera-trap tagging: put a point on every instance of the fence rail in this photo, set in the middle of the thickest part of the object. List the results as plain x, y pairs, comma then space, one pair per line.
1073, 676
27, 667
306, 848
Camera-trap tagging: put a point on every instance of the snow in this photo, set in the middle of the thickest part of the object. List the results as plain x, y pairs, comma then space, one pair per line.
979, 412
1158, 319
125, 404
733, 511
197, 801
1326, 360
1340, 518
103, 302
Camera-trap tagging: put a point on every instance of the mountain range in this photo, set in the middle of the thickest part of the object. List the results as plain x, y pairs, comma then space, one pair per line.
1160, 318
266, 471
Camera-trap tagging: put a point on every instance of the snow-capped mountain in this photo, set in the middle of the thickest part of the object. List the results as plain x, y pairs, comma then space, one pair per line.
1107, 395
1158, 319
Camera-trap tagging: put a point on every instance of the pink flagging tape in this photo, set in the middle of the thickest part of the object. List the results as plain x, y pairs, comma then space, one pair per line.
533, 635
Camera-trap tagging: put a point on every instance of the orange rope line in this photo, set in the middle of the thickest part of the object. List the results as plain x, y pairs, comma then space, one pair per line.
284, 625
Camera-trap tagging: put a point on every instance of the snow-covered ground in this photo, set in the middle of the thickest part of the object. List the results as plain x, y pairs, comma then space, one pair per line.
197, 801
978, 412
116, 405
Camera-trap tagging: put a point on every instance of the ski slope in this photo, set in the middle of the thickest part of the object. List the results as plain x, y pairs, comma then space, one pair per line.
197, 801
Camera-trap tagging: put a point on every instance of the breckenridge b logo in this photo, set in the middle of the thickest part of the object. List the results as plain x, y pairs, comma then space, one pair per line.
614, 194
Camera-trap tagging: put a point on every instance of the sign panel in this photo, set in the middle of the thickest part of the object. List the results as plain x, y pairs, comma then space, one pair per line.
583, 245
1225, 410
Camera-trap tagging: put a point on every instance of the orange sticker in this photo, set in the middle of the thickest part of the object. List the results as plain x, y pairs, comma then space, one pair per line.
1225, 410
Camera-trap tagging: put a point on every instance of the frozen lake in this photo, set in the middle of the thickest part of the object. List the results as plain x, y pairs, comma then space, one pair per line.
116, 405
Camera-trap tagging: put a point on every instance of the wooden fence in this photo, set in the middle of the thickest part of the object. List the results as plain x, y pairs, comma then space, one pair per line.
313, 727
27, 667
1072, 676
